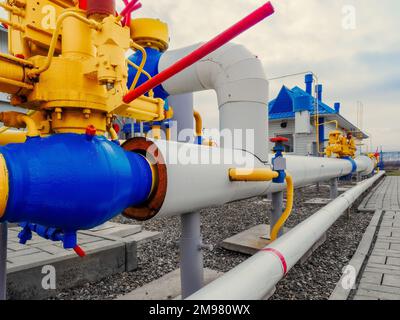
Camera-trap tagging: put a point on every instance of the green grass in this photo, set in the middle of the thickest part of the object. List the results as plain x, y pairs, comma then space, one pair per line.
393, 173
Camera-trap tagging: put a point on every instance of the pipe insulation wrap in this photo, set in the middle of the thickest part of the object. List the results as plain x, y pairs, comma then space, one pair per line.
256, 277
194, 185
238, 78
73, 182
198, 176
308, 170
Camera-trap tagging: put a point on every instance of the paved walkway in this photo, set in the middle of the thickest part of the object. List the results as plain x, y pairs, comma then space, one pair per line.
386, 196
381, 275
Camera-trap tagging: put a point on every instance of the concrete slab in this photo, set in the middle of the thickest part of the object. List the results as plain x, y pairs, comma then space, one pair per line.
117, 229
107, 254
166, 288
251, 241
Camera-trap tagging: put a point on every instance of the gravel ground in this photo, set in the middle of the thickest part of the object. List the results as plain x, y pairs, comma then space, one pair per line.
314, 280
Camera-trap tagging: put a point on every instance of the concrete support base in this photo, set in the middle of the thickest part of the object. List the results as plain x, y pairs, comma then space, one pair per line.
253, 240
166, 288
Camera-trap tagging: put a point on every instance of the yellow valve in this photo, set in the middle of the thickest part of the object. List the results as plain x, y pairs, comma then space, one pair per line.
289, 207
252, 174
150, 33
341, 146
74, 68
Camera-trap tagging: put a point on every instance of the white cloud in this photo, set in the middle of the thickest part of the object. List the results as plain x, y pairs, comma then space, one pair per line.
307, 35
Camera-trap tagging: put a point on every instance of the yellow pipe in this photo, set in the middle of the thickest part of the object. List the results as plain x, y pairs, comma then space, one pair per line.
4, 129
16, 83
252, 174
332, 121
199, 123
168, 134
13, 9
22, 62
4, 187
12, 24
151, 92
93, 24
12, 137
156, 129
19, 120
113, 134
289, 207
32, 131
140, 70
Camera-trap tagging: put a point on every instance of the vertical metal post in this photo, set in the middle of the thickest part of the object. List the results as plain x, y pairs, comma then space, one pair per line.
3, 261
277, 210
192, 271
333, 189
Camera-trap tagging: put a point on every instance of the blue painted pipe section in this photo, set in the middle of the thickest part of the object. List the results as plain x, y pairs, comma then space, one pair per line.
321, 133
72, 182
151, 66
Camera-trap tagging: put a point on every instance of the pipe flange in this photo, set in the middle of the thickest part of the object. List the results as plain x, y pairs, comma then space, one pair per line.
152, 206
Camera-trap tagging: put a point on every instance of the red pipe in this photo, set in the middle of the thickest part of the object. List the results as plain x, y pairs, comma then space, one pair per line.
129, 7
83, 4
260, 14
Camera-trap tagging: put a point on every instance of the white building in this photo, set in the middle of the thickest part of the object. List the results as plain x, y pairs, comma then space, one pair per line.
292, 115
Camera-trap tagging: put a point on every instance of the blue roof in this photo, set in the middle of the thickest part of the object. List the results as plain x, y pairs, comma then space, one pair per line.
284, 106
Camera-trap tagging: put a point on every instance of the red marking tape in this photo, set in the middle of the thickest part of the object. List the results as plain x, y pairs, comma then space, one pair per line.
280, 256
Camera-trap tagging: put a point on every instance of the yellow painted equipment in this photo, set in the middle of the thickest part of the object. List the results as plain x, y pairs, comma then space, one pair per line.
150, 33
73, 68
258, 174
4, 189
341, 146
12, 137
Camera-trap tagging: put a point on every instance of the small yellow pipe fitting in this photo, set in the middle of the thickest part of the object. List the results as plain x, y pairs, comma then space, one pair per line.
168, 134
4, 187
20, 120
252, 174
135, 46
113, 134
139, 71
289, 207
156, 129
199, 123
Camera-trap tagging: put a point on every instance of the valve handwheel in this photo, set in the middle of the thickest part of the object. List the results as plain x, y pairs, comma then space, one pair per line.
279, 140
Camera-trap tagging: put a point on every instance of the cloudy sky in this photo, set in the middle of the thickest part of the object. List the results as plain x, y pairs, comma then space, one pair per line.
355, 59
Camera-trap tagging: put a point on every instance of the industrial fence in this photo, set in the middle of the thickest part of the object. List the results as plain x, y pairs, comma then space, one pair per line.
391, 160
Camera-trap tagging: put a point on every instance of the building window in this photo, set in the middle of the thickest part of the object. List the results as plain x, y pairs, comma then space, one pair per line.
289, 146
